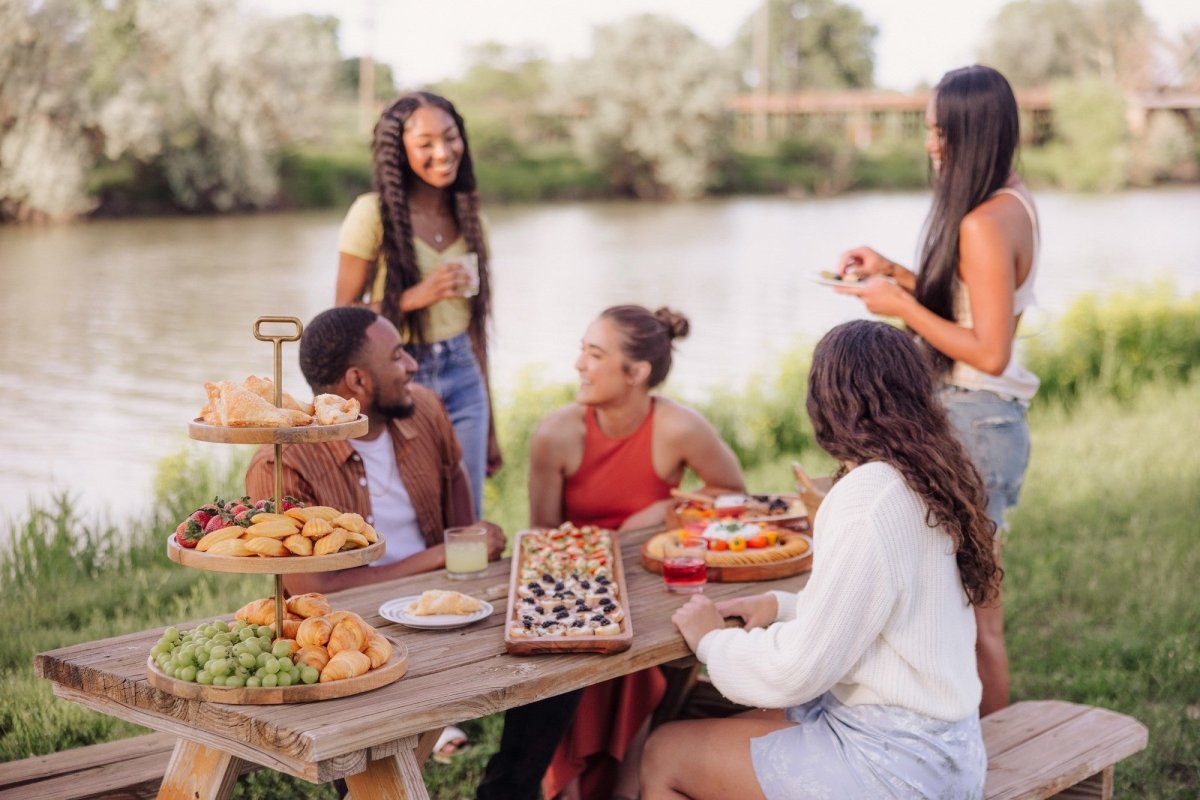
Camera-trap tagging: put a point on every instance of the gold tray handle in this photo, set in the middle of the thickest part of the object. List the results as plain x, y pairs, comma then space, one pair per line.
278, 341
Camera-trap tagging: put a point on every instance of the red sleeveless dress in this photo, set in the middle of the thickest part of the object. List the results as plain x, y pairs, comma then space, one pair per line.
615, 480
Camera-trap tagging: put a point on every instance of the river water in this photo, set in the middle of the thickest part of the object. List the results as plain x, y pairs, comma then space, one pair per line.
108, 330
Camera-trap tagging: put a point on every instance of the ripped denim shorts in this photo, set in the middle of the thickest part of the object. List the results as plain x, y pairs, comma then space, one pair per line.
996, 435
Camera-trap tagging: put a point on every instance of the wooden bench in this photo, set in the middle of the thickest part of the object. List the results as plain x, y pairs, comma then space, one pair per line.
1036, 749
1050, 748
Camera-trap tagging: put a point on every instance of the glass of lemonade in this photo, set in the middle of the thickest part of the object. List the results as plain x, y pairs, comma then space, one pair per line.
466, 551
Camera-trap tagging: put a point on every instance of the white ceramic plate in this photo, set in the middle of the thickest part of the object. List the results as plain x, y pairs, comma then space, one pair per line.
395, 611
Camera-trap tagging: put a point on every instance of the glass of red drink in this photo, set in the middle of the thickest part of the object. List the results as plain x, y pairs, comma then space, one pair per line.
684, 567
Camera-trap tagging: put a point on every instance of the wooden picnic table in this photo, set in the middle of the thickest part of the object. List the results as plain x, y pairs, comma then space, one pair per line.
376, 740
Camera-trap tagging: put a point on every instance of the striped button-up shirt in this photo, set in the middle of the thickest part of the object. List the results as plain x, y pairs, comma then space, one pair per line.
332, 473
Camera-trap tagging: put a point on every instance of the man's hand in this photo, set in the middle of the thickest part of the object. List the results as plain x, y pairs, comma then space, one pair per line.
496, 542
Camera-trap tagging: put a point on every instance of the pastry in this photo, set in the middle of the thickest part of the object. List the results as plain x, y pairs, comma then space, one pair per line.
332, 409
349, 634
235, 406
265, 388
330, 543
257, 612
308, 605
345, 664
313, 656
379, 650
440, 601
314, 632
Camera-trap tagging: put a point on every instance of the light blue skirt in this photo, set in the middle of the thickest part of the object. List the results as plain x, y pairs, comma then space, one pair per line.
870, 751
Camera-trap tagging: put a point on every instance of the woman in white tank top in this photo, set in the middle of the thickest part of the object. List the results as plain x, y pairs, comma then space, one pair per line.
978, 262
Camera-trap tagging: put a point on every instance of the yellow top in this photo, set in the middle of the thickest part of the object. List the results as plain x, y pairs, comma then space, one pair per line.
361, 236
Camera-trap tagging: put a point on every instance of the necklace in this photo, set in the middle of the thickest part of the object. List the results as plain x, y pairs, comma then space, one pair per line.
437, 238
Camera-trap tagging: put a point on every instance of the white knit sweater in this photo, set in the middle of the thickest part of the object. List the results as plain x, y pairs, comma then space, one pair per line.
883, 619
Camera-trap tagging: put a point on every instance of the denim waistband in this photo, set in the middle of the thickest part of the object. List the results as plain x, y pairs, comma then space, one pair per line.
446, 347
950, 388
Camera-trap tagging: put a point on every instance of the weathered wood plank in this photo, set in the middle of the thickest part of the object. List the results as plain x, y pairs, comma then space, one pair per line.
1012, 726
1097, 787
394, 778
75, 760
1063, 754
198, 771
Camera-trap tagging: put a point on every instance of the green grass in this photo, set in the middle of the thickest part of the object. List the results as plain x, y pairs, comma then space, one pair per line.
1102, 564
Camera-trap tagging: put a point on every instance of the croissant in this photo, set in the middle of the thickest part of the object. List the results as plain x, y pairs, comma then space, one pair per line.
346, 664
257, 612
379, 649
314, 631
315, 657
332, 409
290, 627
441, 601
349, 634
312, 604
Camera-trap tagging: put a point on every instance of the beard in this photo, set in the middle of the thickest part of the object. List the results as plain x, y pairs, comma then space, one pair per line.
393, 410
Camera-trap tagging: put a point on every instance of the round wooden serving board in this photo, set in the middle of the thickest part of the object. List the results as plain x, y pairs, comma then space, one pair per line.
796, 522
299, 434
281, 565
738, 573
390, 672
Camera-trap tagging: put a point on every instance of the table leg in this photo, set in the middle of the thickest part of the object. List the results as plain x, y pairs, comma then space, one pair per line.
395, 777
199, 771
425, 744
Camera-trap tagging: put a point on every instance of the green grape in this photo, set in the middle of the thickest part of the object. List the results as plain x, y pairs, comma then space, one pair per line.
253, 682
187, 673
310, 675
245, 634
264, 631
247, 660
272, 665
264, 643
220, 651
221, 625
284, 679
295, 673
261, 659
181, 658
219, 667
159, 649
218, 680
269, 681
281, 649
235, 682
204, 677
251, 646
171, 670
171, 634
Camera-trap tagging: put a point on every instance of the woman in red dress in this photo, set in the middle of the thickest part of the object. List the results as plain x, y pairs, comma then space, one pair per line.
611, 460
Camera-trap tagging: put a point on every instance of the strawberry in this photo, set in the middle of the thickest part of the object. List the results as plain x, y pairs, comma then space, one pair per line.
290, 502
216, 522
188, 533
245, 516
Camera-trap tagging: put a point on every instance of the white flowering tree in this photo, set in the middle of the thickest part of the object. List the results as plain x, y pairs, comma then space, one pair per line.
649, 107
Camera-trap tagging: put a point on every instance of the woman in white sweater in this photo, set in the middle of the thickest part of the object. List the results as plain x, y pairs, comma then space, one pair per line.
866, 679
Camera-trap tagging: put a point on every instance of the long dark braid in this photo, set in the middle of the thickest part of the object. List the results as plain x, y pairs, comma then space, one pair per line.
392, 177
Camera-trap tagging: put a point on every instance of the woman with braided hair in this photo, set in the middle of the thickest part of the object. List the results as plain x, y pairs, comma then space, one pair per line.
407, 250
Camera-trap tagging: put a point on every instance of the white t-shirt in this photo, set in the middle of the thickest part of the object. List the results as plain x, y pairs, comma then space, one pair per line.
395, 519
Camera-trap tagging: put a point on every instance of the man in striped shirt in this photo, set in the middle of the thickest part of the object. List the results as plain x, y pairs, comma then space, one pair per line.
404, 476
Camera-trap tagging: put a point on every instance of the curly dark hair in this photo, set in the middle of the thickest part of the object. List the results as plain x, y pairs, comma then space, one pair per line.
392, 177
871, 397
648, 336
331, 344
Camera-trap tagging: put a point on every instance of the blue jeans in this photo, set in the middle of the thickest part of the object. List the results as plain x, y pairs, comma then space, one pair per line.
995, 433
451, 370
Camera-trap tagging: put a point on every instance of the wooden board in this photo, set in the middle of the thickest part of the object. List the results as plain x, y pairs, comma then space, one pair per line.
298, 434
281, 565
737, 573
569, 644
390, 672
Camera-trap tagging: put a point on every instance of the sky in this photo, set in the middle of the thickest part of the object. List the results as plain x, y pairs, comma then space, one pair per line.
425, 42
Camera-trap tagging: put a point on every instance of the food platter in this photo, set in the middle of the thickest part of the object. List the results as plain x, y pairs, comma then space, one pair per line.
721, 571
202, 431
397, 611
604, 644
795, 518
283, 565
390, 672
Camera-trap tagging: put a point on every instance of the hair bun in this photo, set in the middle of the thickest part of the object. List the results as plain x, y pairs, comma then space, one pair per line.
677, 324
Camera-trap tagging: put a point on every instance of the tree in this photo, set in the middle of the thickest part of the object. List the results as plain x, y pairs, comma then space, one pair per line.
1036, 42
812, 44
649, 107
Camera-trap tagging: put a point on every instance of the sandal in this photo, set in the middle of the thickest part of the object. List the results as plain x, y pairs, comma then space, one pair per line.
451, 742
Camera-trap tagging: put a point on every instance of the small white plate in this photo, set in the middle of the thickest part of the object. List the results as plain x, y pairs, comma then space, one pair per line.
821, 279
396, 611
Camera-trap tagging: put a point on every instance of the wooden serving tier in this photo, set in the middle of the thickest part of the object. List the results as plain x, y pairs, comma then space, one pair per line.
676, 517
390, 672
278, 565
568, 644
737, 573
300, 434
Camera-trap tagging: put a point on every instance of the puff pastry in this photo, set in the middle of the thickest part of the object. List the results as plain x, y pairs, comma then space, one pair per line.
332, 409
235, 406
265, 388
441, 601
345, 664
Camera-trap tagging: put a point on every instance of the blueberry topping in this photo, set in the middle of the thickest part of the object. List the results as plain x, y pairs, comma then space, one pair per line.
577, 623
548, 623
562, 614
598, 618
